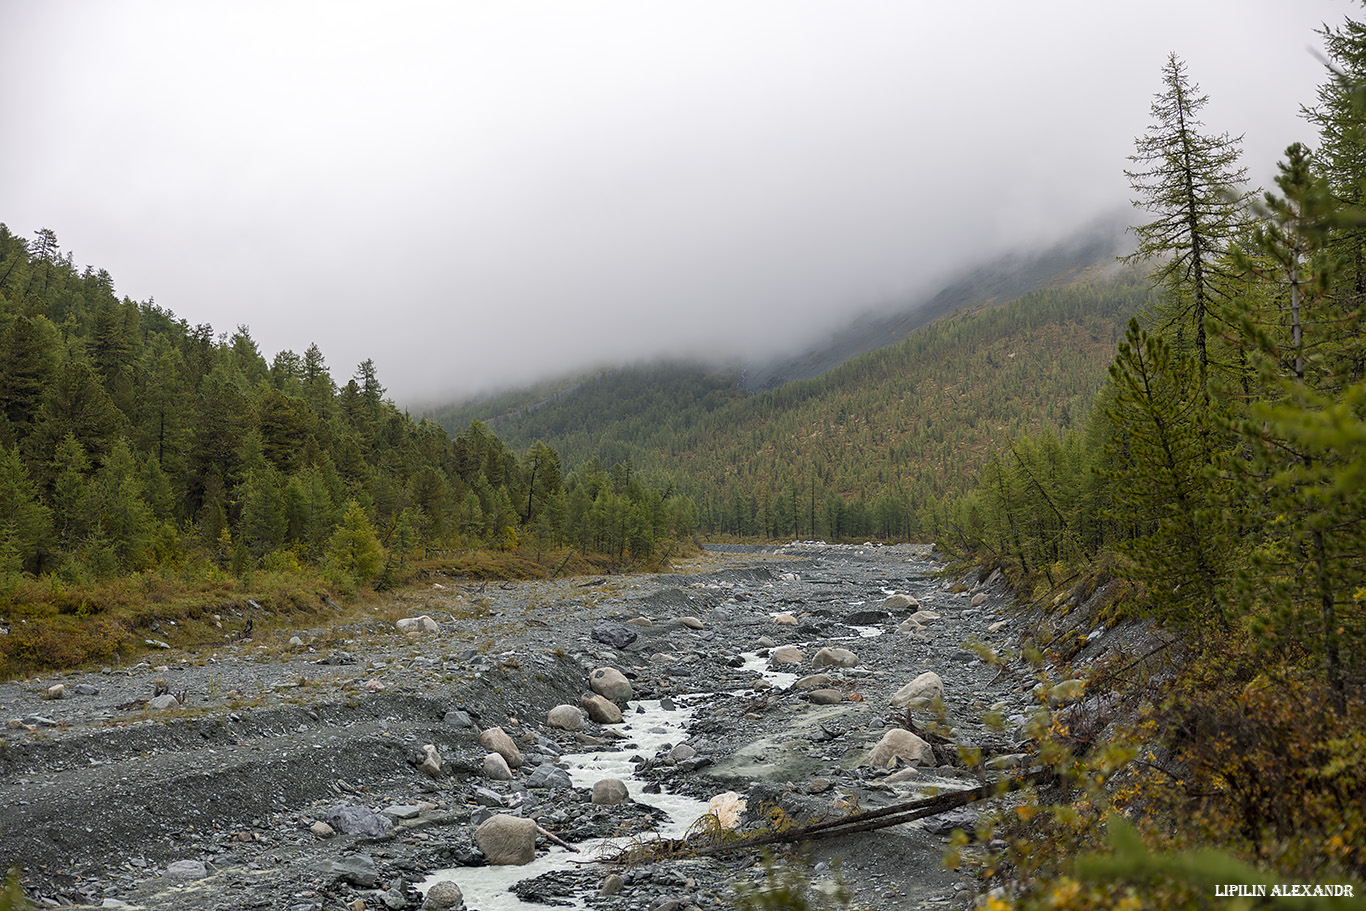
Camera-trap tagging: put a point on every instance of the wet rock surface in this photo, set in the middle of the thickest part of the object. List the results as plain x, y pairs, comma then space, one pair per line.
301, 777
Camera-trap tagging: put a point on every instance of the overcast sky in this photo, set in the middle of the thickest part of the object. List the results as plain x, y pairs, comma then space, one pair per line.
478, 194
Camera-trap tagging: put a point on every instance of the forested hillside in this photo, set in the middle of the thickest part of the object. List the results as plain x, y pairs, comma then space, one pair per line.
869, 449
134, 443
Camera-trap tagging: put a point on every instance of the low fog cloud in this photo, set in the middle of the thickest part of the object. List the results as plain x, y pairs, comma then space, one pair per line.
479, 194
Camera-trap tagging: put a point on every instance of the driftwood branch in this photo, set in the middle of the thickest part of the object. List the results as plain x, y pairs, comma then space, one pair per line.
887, 816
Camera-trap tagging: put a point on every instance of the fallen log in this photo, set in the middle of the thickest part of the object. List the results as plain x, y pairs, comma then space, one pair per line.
885, 817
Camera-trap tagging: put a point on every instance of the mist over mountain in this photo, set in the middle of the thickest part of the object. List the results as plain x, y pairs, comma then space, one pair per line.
1090, 251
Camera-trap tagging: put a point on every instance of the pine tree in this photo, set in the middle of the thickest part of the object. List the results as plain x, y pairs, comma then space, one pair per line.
1191, 183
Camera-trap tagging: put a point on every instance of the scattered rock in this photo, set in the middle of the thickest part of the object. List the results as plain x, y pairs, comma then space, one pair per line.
56, 691
813, 681
834, 657
610, 791
611, 684
599, 709
900, 601
506, 839
565, 718
350, 819
431, 765
416, 626
786, 654
979, 599
825, 697
728, 808
899, 746
920, 692
549, 775
785, 620
443, 896
496, 768
923, 616
187, 869
322, 829
613, 634
496, 739
163, 702
612, 885
356, 869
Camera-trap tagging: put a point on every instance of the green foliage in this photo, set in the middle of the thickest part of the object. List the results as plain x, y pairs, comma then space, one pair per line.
354, 552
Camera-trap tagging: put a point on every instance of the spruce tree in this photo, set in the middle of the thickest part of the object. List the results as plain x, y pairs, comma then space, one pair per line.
1190, 182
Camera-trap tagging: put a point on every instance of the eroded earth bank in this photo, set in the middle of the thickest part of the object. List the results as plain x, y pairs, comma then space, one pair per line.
291, 776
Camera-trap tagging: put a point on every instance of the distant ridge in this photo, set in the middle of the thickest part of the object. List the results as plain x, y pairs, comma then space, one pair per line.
1088, 255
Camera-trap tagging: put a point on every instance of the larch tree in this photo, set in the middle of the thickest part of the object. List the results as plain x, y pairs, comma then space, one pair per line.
1191, 182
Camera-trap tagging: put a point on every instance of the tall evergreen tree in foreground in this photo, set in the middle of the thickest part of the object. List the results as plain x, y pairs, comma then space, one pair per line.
1191, 182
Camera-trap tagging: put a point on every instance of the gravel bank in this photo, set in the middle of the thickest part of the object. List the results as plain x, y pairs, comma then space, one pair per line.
212, 804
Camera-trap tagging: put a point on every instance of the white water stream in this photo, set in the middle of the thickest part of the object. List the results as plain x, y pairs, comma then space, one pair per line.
647, 732
488, 887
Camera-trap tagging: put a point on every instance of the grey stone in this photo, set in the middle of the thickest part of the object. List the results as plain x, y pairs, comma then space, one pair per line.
187, 869
496, 768
565, 717
506, 839
457, 718
613, 634
610, 791
920, 692
599, 709
899, 746
85, 689
486, 797
356, 869
443, 896
497, 739
612, 885
612, 684
402, 811
834, 657
163, 702
350, 819
549, 776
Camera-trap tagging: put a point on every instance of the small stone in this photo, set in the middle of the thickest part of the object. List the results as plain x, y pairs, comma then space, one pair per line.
497, 739
496, 768
457, 718
899, 746
786, 654
690, 622
612, 885
187, 869
163, 702
899, 601
86, 689
979, 599
785, 620
350, 819
923, 616
825, 697
765, 642
356, 869
599, 709
431, 765
834, 657
56, 691
295, 642
682, 752
416, 626
322, 829
814, 682
612, 684
610, 791
402, 811
549, 775
487, 798
565, 717
613, 634
443, 896
921, 692
506, 839
998, 626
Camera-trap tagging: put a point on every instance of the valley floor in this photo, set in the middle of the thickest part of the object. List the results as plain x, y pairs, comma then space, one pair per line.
212, 804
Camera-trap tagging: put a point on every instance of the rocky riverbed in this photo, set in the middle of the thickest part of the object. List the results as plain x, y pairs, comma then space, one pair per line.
299, 771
